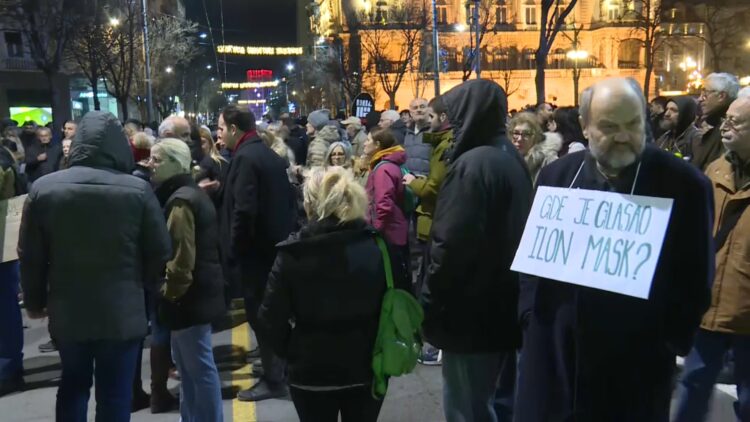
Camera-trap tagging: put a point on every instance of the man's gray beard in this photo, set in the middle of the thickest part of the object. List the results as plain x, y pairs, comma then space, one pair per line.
613, 162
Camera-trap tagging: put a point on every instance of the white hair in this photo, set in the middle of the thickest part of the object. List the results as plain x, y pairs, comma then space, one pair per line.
744, 92
724, 82
177, 150
391, 115
167, 126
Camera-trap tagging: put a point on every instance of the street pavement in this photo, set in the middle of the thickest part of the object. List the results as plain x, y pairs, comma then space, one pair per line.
413, 398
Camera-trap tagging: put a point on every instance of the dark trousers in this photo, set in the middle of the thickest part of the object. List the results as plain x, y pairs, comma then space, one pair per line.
355, 405
11, 325
702, 366
111, 364
470, 384
273, 366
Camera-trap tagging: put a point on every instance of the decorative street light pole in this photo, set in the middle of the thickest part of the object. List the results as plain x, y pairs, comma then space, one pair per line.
147, 59
435, 48
477, 33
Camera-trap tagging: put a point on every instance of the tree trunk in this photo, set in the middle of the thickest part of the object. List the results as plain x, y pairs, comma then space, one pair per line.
392, 98
649, 71
58, 116
540, 86
123, 102
95, 90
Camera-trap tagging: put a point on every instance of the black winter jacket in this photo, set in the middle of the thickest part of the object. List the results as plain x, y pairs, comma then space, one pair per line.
329, 280
35, 168
471, 298
203, 302
91, 237
258, 211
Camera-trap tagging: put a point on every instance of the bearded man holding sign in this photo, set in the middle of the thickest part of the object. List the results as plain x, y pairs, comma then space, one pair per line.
617, 271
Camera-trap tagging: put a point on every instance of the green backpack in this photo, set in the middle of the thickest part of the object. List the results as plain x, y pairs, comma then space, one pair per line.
398, 344
409, 205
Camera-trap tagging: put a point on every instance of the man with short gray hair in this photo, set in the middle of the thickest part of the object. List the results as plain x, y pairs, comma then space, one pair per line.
572, 334
175, 127
719, 90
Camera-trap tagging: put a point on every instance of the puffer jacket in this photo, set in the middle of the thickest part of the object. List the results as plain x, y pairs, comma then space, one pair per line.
328, 279
729, 311
427, 188
418, 152
316, 151
543, 153
91, 238
385, 193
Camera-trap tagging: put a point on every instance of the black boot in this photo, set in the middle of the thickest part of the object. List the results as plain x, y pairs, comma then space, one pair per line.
263, 390
161, 400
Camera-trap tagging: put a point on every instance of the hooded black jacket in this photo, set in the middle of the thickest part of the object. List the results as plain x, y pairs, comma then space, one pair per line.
680, 138
471, 294
91, 237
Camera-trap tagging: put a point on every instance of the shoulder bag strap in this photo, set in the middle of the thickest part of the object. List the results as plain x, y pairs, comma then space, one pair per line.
386, 261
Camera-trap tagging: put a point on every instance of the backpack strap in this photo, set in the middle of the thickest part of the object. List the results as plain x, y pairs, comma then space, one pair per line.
386, 261
729, 222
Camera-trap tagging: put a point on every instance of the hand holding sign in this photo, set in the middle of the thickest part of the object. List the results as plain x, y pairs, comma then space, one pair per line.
603, 240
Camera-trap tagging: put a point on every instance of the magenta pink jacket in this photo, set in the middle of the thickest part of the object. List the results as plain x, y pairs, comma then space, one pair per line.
385, 194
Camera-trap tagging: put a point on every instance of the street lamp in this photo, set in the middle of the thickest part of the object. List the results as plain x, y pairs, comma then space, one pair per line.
459, 27
576, 56
289, 67
203, 35
208, 66
169, 69
114, 22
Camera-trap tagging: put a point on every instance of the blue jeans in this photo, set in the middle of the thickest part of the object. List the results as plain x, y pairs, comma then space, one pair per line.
702, 366
200, 388
11, 325
470, 382
112, 364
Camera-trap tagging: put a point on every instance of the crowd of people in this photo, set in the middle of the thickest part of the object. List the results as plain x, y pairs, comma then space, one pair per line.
126, 233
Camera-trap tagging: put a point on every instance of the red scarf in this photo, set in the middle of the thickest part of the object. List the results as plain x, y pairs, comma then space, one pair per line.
244, 138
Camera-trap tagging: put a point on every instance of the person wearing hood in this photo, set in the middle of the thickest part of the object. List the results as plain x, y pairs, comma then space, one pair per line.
572, 334
191, 297
537, 148
678, 123
334, 259
470, 294
321, 136
339, 155
356, 133
719, 90
258, 211
97, 313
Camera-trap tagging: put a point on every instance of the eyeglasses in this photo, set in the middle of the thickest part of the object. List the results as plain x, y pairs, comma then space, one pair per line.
521, 134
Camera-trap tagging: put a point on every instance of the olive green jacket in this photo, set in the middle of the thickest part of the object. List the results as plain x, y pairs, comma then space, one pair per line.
427, 188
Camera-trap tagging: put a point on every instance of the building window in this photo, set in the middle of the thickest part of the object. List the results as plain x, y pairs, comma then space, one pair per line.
442, 15
530, 13
13, 44
629, 54
501, 14
612, 10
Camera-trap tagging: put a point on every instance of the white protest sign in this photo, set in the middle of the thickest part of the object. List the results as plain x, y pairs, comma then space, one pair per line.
604, 240
10, 223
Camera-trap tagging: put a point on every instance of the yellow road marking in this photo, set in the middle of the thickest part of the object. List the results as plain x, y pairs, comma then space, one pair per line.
242, 411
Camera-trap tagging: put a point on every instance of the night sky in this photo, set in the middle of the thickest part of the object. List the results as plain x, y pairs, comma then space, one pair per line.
248, 22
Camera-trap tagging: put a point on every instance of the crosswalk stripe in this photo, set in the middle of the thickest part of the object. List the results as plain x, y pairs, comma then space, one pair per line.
242, 411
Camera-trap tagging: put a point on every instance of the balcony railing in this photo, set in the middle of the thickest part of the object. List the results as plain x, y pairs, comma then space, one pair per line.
18, 63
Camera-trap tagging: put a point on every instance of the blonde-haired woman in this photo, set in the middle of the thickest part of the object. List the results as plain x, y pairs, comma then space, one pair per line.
537, 147
192, 296
328, 279
213, 165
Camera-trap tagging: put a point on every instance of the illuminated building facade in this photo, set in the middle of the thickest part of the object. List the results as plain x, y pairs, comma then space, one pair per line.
606, 43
